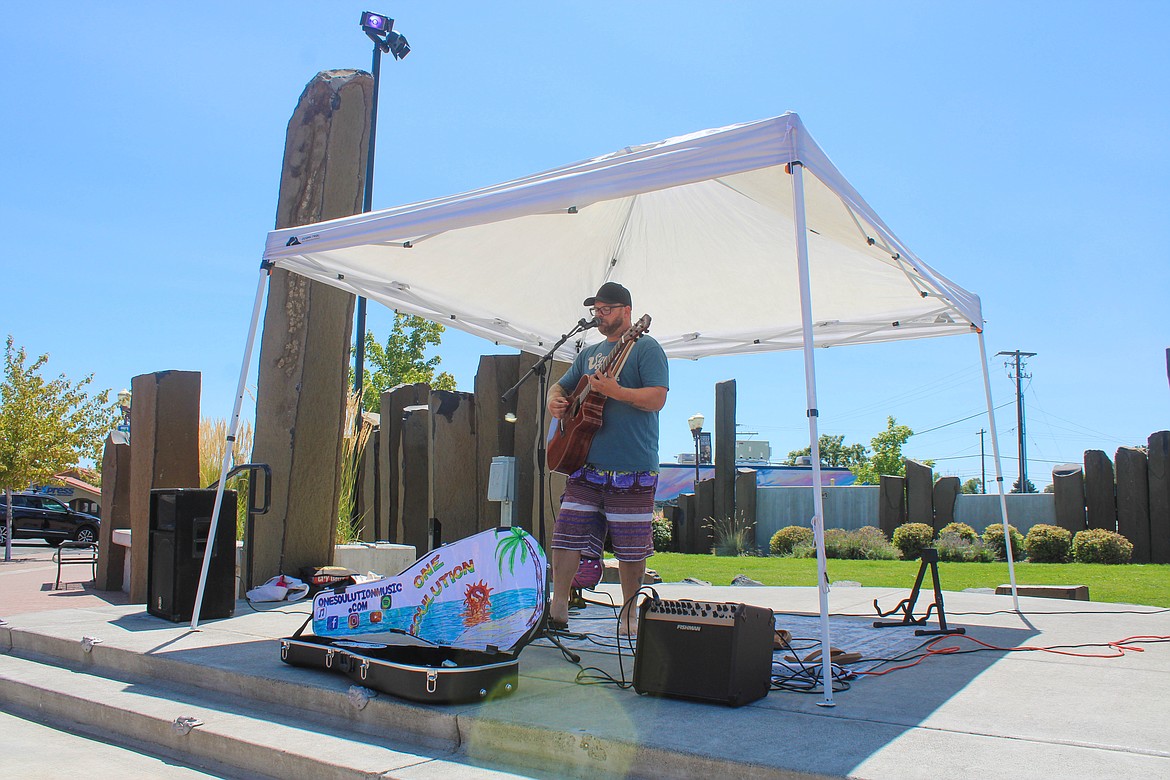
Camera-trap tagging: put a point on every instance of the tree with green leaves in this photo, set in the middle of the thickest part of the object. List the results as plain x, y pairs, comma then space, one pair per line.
973, 485
834, 453
1028, 487
887, 454
403, 359
46, 426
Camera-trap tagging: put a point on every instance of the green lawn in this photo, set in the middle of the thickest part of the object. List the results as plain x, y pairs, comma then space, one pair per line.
1130, 584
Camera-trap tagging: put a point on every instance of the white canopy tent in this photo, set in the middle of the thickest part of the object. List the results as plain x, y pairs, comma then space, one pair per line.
726, 216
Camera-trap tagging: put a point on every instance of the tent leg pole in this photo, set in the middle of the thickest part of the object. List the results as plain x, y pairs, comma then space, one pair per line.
1007, 539
810, 384
228, 446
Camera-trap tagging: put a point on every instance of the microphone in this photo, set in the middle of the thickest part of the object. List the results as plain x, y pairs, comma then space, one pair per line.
587, 324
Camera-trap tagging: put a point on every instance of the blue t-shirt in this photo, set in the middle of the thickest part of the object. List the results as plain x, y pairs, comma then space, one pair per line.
628, 437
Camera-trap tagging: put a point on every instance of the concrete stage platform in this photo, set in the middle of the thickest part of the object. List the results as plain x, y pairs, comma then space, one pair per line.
978, 715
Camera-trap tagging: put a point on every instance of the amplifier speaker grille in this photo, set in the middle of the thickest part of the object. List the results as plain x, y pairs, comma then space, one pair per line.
704, 650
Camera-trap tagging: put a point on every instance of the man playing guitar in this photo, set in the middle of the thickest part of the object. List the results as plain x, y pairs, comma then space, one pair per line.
614, 490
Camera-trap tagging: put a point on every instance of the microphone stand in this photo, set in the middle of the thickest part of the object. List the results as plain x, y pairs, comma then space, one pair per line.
540, 370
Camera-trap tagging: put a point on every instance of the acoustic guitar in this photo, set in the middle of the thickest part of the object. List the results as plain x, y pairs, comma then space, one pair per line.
573, 436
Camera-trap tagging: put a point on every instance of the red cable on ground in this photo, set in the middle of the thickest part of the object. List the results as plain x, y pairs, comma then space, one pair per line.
1121, 646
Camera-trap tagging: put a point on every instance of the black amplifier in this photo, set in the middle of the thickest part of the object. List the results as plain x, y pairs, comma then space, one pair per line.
703, 650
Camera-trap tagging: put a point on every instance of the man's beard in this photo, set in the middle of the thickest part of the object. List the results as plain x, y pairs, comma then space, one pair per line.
611, 329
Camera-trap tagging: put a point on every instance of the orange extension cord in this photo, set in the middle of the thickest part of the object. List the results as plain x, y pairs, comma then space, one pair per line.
1120, 648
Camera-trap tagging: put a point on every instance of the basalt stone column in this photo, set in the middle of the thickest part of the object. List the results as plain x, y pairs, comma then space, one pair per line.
1158, 472
454, 485
891, 503
946, 492
414, 464
745, 501
724, 450
495, 436
368, 498
164, 424
388, 523
304, 351
704, 534
1068, 487
1133, 501
1100, 502
115, 510
919, 493
527, 507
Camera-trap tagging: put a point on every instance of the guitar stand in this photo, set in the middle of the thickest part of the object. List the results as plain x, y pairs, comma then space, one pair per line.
906, 606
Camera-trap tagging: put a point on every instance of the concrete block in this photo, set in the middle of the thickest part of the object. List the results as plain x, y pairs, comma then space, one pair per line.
381, 558
1073, 592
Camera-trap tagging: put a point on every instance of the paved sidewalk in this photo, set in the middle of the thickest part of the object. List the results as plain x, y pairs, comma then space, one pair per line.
26, 583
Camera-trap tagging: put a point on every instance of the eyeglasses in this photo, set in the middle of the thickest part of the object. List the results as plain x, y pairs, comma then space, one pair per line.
604, 310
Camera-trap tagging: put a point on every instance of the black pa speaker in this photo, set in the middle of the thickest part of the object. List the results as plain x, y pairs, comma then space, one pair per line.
180, 522
702, 650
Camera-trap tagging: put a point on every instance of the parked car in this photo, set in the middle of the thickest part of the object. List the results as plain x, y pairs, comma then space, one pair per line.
36, 516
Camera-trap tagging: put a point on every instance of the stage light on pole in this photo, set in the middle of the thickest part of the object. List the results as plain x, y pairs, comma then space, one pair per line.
695, 422
380, 30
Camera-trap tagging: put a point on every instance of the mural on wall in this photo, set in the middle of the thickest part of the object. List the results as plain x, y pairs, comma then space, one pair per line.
485, 590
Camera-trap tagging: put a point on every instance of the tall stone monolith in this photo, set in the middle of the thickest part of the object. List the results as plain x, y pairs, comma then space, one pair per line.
1100, 492
1133, 501
725, 450
1158, 464
1068, 487
304, 351
388, 523
115, 510
164, 453
919, 493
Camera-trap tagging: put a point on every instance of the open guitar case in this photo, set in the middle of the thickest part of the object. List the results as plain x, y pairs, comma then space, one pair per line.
413, 637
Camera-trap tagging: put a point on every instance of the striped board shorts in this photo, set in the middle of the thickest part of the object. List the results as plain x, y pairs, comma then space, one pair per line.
595, 501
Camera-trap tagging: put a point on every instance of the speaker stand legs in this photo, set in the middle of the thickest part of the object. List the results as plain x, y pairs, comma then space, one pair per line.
906, 606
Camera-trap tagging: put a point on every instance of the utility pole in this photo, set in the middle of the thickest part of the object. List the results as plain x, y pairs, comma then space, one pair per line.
982, 464
1016, 371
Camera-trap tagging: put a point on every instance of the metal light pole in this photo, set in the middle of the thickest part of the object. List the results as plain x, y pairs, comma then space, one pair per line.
695, 422
380, 30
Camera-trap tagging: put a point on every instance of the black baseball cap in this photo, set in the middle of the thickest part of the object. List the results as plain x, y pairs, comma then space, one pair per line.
611, 292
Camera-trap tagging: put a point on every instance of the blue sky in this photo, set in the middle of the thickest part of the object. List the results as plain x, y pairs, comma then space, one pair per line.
1020, 149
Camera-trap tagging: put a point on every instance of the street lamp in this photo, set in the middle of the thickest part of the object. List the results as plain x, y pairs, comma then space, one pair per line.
380, 30
695, 422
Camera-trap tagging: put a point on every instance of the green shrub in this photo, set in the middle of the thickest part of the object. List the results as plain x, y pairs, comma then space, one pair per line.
955, 547
993, 538
910, 538
962, 530
1097, 545
663, 533
866, 544
788, 537
1047, 544
861, 544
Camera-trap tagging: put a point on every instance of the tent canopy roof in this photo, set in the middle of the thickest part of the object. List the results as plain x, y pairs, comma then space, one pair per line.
700, 228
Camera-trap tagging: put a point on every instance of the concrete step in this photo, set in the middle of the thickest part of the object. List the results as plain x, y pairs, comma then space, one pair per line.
212, 731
